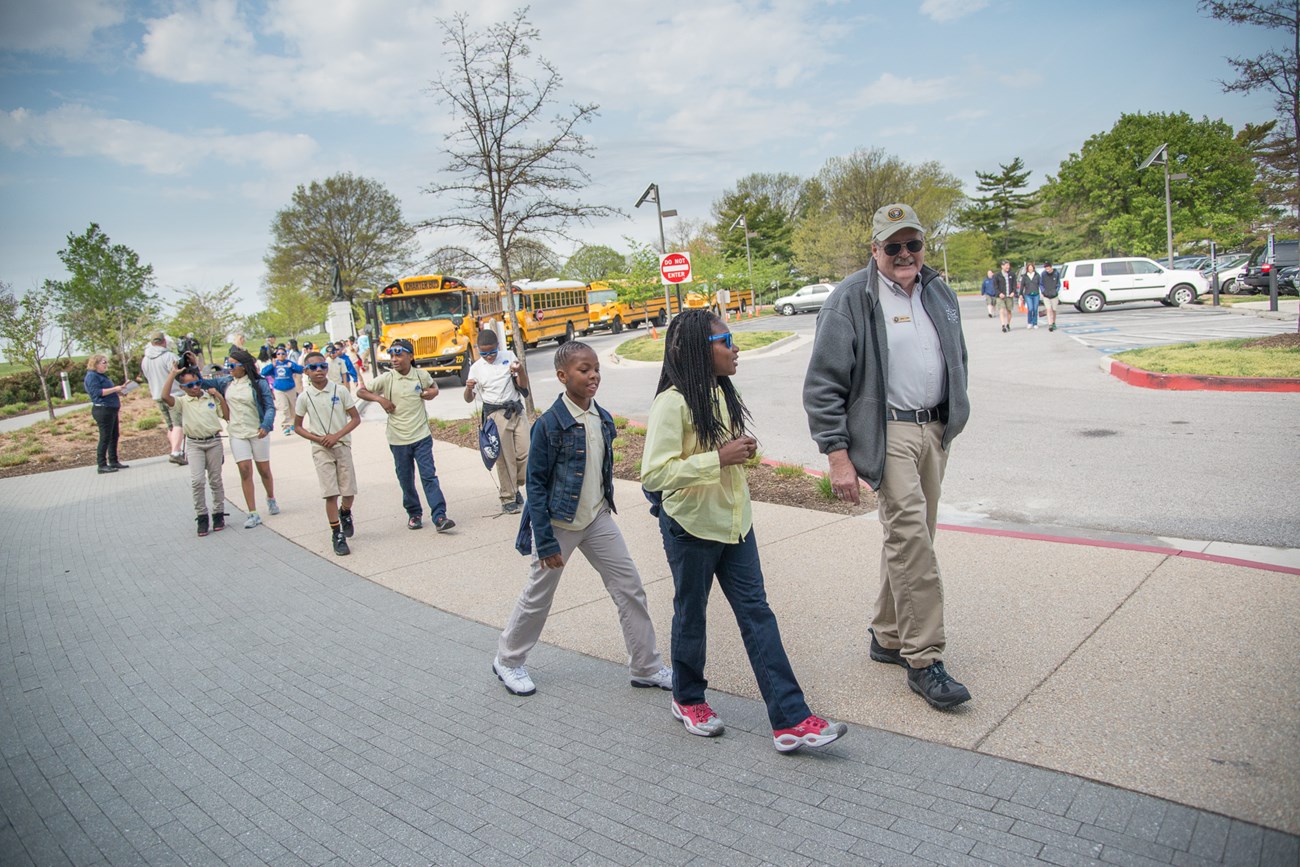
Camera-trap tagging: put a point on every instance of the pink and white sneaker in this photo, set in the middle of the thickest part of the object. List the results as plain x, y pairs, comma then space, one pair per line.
699, 719
812, 732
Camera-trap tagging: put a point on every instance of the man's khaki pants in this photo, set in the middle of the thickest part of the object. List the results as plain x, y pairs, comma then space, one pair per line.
909, 610
206, 456
284, 406
512, 464
603, 546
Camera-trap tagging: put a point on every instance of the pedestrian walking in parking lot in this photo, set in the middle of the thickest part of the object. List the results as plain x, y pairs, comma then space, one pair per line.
201, 416
886, 395
498, 379
1029, 289
570, 508
402, 392
696, 444
1005, 284
1050, 285
990, 292
332, 413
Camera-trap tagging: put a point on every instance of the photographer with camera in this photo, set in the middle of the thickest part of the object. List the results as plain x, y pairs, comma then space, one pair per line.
158, 363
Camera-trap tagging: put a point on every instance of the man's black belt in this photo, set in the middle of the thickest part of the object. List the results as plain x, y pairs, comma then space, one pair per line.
916, 416
510, 409
202, 439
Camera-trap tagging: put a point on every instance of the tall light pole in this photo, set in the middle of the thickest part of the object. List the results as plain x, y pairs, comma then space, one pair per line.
651, 194
1160, 157
749, 262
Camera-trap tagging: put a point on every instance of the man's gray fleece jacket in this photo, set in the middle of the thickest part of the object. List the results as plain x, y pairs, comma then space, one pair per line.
844, 389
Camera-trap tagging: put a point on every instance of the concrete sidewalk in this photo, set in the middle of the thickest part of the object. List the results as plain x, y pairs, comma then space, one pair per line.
239, 698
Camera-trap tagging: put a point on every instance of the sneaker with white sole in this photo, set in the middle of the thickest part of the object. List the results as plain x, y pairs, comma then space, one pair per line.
252, 520
663, 678
812, 732
699, 719
272, 506
516, 680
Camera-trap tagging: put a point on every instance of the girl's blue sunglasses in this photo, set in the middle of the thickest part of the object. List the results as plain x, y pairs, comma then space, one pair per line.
725, 337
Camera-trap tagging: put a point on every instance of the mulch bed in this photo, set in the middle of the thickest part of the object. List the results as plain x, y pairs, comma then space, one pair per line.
765, 484
72, 439
1277, 341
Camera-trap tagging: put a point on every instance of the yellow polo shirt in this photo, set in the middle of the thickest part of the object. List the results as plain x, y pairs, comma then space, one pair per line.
200, 416
709, 500
409, 421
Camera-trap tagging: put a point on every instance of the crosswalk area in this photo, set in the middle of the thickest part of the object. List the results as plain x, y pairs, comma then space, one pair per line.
1118, 330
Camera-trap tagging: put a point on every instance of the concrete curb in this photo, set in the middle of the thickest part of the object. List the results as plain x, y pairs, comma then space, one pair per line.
1136, 376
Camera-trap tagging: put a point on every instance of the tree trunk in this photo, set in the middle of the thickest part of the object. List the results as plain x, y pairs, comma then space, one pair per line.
45, 390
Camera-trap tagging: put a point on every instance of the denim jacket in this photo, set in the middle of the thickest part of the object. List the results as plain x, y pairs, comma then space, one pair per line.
261, 393
557, 456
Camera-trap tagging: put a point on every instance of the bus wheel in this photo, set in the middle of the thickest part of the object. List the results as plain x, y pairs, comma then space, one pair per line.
463, 373
532, 345
568, 334
617, 325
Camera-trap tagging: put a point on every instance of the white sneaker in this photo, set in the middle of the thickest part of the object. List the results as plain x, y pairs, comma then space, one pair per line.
252, 520
516, 680
272, 506
663, 678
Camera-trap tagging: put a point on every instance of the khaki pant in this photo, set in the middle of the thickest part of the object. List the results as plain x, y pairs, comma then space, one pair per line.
603, 546
512, 464
909, 609
284, 407
206, 456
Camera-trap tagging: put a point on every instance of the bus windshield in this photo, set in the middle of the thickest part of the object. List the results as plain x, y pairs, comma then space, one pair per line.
602, 296
418, 308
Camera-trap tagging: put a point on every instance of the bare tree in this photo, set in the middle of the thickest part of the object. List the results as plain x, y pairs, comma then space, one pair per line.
1276, 70
514, 169
28, 332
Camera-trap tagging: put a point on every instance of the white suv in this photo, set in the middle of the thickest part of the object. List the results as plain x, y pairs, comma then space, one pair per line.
809, 299
1091, 284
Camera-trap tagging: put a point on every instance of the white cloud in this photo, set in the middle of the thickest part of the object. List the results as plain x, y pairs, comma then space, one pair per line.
944, 11
56, 26
889, 89
969, 114
77, 130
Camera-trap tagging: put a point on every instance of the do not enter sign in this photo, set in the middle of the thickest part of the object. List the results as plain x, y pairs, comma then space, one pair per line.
675, 268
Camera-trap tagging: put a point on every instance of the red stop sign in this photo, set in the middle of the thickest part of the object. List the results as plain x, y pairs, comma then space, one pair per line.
675, 268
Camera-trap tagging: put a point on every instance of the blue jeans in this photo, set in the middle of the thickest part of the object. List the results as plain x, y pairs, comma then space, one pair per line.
406, 458
695, 562
1031, 304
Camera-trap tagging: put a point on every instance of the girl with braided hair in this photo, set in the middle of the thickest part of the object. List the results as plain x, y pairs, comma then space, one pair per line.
697, 441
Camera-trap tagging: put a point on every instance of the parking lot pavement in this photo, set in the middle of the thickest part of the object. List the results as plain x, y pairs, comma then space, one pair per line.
238, 699
1135, 326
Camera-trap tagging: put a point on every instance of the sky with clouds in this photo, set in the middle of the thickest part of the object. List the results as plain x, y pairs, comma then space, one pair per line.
181, 126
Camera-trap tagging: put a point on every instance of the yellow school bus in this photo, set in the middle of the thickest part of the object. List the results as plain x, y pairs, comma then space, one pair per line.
545, 309
738, 301
607, 312
436, 314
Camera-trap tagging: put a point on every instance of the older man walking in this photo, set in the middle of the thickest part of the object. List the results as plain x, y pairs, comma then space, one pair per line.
885, 395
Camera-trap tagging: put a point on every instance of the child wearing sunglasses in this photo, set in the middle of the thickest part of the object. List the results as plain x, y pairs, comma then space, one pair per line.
696, 444
281, 372
201, 416
332, 413
498, 379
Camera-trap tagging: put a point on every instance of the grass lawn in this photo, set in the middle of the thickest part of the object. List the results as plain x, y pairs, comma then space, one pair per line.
649, 349
1276, 356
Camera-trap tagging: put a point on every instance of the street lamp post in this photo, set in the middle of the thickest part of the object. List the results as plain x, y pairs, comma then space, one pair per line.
651, 194
749, 262
1160, 157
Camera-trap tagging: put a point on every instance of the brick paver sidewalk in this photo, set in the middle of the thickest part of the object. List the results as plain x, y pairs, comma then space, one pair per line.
236, 699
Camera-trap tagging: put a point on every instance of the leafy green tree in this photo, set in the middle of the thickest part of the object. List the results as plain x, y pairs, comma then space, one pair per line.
1277, 70
347, 219
639, 282
1273, 150
107, 303
532, 260
594, 262
771, 205
1121, 210
970, 255
997, 212
291, 311
209, 316
835, 237
29, 335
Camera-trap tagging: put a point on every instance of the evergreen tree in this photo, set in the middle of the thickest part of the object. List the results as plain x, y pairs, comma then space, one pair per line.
997, 212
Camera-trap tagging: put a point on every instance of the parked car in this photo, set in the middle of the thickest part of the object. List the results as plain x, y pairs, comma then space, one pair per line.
1230, 266
808, 299
1286, 254
1194, 263
1091, 284
1288, 281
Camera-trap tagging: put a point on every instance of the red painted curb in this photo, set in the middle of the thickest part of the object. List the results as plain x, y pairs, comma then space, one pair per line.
1189, 382
1121, 546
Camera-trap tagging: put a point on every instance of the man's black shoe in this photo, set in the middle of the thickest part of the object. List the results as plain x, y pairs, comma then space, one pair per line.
519, 498
120, 466
218, 521
414, 522
442, 525
886, 654
340, 543
107, 470
203, 524
510, 508
345, 523
936, 686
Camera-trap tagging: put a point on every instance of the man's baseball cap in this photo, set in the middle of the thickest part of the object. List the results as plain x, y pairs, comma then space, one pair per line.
403, 343
156, 336
891, 218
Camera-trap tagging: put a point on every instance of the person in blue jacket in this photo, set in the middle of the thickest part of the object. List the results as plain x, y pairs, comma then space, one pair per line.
281, 372
105, 403
990, 292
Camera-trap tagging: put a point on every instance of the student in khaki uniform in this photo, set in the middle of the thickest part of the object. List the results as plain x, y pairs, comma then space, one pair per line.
201, 417
333, 414
402, 392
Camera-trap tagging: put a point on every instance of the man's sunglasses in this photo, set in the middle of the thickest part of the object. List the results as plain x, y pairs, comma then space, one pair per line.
194, 384
488, 352
397, 350
317, 366
725, 337
893, 248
